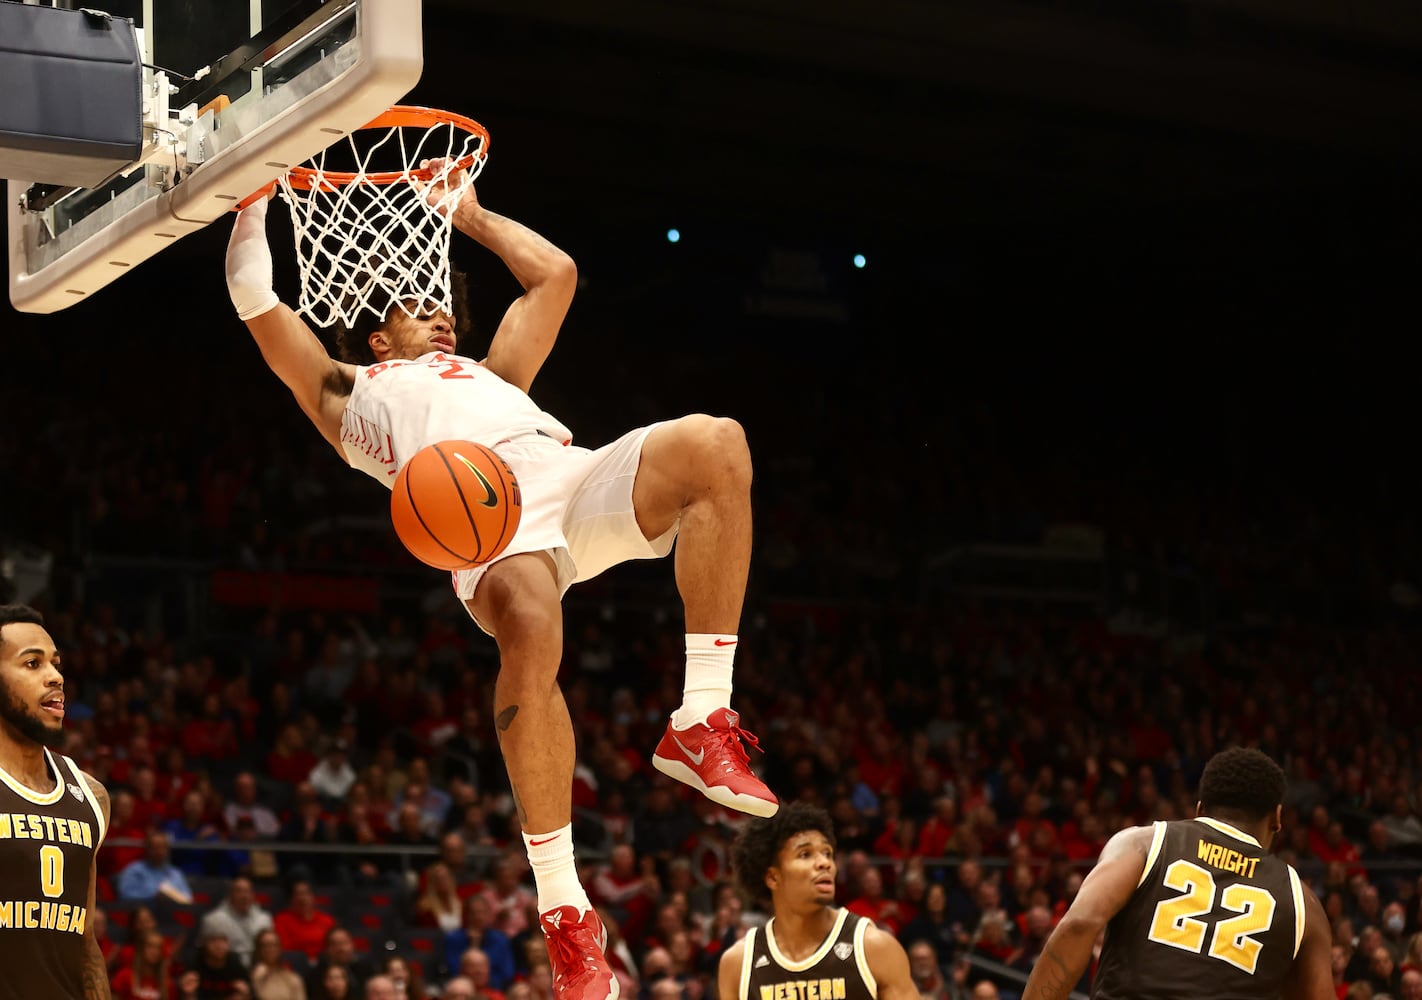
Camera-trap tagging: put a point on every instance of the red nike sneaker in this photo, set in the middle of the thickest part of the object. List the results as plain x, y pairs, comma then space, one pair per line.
710, 759
576, 949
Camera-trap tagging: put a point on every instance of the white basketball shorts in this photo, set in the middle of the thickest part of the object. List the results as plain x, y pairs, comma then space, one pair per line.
577, 506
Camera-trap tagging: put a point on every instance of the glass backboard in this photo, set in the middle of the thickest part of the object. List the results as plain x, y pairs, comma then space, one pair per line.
236, 94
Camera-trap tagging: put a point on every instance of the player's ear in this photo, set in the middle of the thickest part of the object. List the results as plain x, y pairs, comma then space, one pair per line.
379, 342
1276, 821
1197, 809
772, 878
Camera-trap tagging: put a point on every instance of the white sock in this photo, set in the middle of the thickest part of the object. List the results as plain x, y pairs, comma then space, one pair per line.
708, 678
550, 855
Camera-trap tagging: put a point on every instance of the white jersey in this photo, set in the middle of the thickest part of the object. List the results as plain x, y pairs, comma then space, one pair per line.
398, 407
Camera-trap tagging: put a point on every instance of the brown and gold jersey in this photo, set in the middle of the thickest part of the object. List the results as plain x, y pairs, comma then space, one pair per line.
837, 970
1215, 914
47, 845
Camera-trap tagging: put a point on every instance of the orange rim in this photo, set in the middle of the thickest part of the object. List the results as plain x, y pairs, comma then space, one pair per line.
400, 116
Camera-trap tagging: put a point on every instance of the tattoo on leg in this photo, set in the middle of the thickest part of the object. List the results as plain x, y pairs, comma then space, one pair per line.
518, 804
505, 718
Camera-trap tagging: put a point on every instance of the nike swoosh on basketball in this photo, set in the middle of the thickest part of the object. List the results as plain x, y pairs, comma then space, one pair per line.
695, 758
491, 499
725, 642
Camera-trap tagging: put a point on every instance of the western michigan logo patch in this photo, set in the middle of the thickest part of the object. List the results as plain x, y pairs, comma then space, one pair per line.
77, 792
843, 950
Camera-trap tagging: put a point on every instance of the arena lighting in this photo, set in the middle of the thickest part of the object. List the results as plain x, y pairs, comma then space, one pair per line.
859, 261
673, 235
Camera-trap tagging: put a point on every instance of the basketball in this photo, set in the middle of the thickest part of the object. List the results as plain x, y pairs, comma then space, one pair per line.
455, 505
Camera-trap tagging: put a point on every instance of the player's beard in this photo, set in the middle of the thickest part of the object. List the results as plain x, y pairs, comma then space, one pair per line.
29, 727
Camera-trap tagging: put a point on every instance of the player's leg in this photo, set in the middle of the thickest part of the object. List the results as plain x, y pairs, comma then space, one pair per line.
518, 601
695, 474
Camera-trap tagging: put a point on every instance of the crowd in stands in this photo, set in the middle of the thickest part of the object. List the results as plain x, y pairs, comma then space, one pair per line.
364, 826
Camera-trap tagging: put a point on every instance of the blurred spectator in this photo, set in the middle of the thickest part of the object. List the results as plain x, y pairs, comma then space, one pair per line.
108, 947
454, 855
246, 805
510, 900
407, 982
140, 921
1401, 822
872, 903
309, 824
1410, 985
154, 875
273, 978
333, 776
963, 909
937, 831
149, 807
220, 974
459, 988
628, 893
191, 825
301, 926
931, 924
474, 966
1360, 965
1383, 973
289, 761
338, 951
478, 932
149, 976
380, 987
239, 918
211, 736
334, 983
439, 904
122, 826
926, 972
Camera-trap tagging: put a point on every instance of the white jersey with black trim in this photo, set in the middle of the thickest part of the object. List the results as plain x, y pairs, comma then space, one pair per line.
398, 407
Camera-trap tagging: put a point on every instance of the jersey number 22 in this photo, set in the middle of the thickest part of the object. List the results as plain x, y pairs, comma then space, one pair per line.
1232, 939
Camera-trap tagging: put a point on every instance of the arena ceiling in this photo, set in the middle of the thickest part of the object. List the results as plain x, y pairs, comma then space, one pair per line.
925, 113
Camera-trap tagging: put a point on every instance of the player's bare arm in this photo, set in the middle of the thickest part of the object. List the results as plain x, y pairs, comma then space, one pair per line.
1103, 893
549, 277
96, 971
289, 347
728, 972
890, 965
1311, 976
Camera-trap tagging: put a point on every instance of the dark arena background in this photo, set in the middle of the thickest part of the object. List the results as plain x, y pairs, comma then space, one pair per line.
1102, 461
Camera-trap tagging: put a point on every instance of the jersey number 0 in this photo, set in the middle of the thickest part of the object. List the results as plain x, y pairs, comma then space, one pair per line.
1232, 940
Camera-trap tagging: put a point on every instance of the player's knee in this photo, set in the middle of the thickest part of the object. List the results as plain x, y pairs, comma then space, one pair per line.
530, 638
721, 450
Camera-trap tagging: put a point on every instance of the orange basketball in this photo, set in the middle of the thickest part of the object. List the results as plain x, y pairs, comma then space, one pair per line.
455, 505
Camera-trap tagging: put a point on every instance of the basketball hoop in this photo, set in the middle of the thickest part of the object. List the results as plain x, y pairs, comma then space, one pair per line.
367, 238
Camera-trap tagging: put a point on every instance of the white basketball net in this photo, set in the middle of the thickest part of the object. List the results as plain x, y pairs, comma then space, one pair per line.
367, 245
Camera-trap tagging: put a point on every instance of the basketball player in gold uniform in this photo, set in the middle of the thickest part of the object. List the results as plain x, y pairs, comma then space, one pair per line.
810, 949
52, 820
1197, 908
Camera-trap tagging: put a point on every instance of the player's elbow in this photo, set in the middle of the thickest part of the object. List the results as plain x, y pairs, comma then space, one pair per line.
562, 272
1079, 926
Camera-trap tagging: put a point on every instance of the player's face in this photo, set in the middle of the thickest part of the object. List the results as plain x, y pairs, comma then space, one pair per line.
804, 871
31, 687
408, 337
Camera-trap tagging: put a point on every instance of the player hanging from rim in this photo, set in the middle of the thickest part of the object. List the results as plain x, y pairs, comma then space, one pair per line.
402, 385
809, 947
1199, 907
53, 817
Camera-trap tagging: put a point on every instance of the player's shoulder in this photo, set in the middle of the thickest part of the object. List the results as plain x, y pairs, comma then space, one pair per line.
100, 793
735, 954
880, 945
1133, 840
